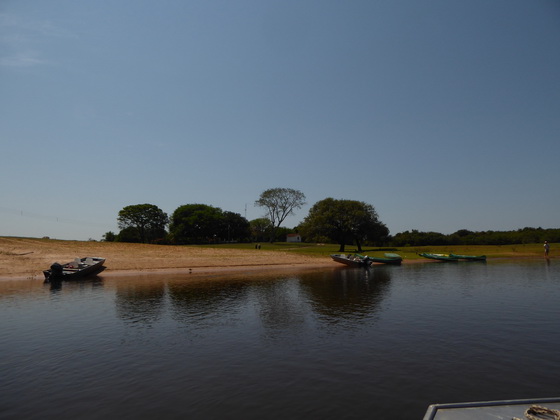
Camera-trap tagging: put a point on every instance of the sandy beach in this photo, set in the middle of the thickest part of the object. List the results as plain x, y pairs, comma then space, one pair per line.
22, 258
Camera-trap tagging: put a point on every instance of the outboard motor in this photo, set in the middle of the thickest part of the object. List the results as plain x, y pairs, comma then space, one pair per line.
56, 272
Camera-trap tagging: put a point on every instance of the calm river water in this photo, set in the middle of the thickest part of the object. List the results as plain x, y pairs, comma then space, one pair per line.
333, 344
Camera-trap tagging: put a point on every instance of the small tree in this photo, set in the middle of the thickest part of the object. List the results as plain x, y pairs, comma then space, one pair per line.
260, 228
279, 204
109, 237
147, 219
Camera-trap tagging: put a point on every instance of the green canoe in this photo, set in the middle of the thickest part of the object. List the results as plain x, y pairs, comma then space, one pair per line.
469, 257
439, 257
389, 258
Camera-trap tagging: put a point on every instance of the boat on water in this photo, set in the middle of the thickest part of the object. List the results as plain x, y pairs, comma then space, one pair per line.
439, 257
469, 257
79, 268
389, 258
545, 408
351, 260
357, 260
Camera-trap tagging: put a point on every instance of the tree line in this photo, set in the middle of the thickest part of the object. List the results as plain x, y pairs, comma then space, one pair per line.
344, 222
202, 223
329, 220
527, 235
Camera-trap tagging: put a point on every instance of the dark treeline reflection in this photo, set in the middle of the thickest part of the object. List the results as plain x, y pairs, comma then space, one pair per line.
281, 306
204, 300
349, 294
140, 302
279, 303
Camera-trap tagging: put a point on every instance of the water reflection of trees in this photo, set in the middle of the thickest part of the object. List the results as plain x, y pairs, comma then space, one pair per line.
280, 305
349, 294
202, 300
140, 302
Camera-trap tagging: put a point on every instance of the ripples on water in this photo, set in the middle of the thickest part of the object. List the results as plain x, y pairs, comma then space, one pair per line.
335, 344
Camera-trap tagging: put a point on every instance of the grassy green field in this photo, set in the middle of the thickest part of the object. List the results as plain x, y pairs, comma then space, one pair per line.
322, 250
314, 250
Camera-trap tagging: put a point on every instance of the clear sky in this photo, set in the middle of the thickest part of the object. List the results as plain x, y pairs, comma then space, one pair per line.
442, 114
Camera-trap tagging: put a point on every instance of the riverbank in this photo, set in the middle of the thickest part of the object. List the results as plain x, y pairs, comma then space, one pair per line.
28, 257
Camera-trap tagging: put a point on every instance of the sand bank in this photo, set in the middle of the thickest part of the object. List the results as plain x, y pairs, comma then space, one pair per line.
27, 258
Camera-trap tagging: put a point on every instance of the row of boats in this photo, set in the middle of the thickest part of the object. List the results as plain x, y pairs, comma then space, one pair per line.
357, 260
86, 266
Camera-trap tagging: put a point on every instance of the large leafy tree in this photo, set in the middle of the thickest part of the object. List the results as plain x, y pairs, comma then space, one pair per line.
234, 227
147, 219
344, 222
279, 204
201, 223
195, 223
129, 234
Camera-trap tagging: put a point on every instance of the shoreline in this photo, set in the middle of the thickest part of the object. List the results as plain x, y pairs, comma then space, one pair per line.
209, 271
196, 272
26, 258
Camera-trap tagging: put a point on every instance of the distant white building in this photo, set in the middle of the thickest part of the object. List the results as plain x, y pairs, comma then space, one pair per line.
293, 237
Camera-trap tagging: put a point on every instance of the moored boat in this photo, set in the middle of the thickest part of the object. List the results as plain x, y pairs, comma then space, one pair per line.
469, 257
76, 269
439, 257
506, 409
389, 258
351, 260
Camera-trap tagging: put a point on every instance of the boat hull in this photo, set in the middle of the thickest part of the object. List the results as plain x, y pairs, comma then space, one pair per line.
74, 270
393, 259
506, 409
350, 261
469, 257
357, 260
438, 257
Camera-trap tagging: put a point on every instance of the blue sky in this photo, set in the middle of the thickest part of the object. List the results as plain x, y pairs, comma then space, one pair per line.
442, 114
